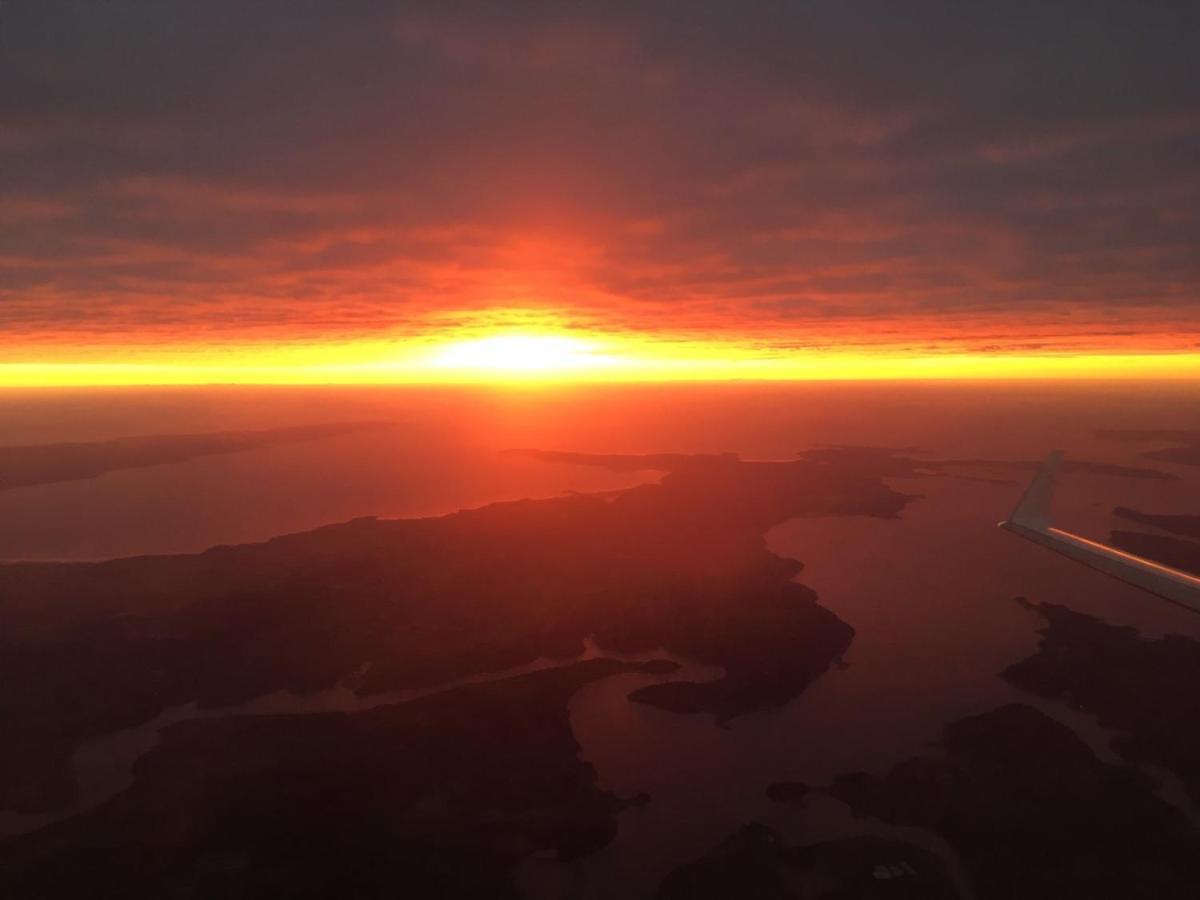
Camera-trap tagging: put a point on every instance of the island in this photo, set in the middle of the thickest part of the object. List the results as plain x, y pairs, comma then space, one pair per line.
1147, 690
1034, 815
437, 797
1179, 552
1185, 452
1170, 551
681, 565
899, 461
1187, 526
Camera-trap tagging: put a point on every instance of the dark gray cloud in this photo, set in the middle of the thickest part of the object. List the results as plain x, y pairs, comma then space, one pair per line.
338, 167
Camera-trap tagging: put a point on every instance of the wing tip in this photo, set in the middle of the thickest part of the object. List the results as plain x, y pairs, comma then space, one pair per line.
1033, 509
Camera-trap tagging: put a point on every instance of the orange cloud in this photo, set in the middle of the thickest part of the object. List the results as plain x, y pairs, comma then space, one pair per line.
762, 183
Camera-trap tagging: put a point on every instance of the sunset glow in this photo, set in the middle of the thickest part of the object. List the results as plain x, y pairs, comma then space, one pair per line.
522, 199
556, 358
536, 355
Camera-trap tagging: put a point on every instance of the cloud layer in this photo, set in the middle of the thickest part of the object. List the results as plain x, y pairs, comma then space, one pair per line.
1002, 177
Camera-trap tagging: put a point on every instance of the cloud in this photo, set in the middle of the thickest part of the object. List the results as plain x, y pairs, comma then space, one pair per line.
807, 174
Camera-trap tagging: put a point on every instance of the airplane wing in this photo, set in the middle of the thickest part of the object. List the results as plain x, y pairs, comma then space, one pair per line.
1031, 520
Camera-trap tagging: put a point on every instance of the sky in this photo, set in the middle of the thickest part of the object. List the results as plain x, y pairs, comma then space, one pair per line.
362, 190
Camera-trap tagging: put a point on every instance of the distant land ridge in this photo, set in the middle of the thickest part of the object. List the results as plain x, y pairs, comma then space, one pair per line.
28, 465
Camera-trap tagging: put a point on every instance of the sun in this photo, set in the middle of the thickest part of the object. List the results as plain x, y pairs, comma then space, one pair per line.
523, 355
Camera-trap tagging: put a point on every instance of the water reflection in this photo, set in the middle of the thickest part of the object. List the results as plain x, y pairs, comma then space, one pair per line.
931, 598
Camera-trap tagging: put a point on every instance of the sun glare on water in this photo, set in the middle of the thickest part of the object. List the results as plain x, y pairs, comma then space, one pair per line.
524, 355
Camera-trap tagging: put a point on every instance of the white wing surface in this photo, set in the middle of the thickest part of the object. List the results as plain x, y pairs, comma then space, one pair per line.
1031, 520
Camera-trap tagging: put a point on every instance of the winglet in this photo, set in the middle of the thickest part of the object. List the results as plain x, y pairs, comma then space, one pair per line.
1033, 510
1031, 520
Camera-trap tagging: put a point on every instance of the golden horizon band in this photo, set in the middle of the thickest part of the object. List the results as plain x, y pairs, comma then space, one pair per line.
557, 357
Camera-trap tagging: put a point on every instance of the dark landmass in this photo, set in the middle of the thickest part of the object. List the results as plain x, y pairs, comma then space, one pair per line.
1034, 815
86, 649
437, 797
1184, 526
627, 462
1170, 551
788, 791
1074, 466
1141, 435
1176, 552
755, 863
24, 466
887, 461
753, 649
1147, 690
1187, 453
874, 450
842, 464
